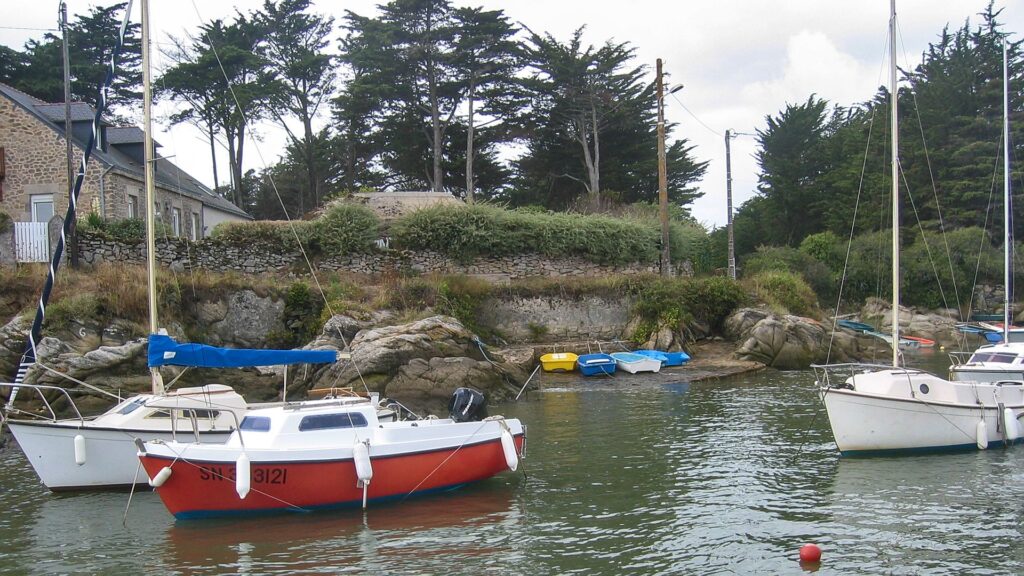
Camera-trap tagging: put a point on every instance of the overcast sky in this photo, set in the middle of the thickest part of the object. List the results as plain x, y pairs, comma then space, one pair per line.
739, 60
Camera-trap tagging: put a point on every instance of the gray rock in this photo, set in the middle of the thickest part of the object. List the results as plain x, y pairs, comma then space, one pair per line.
249, 318
386, 360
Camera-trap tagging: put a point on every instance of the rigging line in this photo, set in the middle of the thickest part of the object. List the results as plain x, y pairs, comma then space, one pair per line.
709, 128
853, 225
924, 240
981, 240
273, 185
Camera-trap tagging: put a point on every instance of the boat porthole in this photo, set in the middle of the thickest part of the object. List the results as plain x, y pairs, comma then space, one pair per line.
924, 388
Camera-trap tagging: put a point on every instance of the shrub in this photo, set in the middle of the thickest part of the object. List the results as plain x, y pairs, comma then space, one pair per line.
127, 230
784, 292
825, 247
674, 301
817, 275
274, 235
344, 228
301, 317
5, 222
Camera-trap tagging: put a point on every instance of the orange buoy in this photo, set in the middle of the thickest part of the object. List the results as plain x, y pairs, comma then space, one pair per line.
810, 553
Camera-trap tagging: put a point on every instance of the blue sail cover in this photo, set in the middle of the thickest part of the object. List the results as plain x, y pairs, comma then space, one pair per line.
163, 351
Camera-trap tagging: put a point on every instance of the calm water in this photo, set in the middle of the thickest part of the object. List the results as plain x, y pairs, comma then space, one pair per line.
724, 477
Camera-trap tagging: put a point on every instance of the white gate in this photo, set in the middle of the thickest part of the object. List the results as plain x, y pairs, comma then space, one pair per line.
31, 241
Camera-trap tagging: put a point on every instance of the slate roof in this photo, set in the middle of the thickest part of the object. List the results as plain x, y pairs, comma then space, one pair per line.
168, 175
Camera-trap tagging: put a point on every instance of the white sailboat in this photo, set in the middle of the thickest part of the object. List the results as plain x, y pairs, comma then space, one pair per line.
885, 409
99, 452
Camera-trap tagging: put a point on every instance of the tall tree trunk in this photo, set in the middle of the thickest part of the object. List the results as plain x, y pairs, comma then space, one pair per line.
213, 154
435, 124
230, 137
591, 184
311, 176
595, 169
469, 144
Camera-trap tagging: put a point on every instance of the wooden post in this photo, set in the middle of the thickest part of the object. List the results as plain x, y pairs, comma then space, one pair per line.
666, 255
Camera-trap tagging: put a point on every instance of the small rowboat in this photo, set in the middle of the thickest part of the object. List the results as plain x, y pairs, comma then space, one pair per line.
595, 364
634, 363
856, 326
667, 358
921, 342
558, 362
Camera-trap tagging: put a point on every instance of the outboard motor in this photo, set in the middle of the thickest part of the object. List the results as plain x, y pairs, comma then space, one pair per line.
467, 405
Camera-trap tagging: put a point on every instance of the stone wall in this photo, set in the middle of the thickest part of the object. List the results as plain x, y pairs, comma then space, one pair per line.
216, 255
550, 319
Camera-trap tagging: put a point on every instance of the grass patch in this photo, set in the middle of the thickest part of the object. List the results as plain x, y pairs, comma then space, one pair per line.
783, 292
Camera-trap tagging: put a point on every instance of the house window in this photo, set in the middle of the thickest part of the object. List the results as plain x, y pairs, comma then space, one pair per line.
133, 206
195, 226
176, 221
42, 207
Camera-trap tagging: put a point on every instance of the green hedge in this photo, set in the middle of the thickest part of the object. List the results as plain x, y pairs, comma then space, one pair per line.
466, 232
342, 229
5, 222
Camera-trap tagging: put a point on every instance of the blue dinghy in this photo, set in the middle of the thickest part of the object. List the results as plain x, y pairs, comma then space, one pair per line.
667, 358
594, 364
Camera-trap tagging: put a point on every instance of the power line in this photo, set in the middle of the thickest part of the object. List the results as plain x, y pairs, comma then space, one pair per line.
701, 122
31, 29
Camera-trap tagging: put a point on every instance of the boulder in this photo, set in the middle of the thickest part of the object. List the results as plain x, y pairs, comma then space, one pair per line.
439, 350
938, 325
793, 342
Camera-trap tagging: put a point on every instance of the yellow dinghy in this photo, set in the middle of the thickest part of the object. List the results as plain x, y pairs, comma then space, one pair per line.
558, 362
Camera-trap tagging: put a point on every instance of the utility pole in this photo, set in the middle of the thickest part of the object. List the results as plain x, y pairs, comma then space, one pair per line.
728, 204
666, 256
72, 237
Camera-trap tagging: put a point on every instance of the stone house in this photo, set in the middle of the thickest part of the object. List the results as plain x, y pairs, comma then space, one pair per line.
33, 171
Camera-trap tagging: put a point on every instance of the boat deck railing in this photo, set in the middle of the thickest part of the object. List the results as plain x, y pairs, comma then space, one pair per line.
835, 375
41, 391
959, 358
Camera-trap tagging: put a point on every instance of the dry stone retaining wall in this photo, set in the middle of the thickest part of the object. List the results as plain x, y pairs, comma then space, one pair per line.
211, 254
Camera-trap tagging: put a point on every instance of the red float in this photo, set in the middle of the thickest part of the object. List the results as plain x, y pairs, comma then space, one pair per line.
810, 553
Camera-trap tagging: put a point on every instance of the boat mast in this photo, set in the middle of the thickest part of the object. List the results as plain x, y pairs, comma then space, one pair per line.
1007, 232
147, 121
894, 126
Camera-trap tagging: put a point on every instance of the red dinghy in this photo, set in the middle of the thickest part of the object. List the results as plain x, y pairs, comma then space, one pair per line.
331, 454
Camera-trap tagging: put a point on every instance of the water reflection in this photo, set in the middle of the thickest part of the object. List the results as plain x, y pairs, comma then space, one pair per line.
417, 532
941, 513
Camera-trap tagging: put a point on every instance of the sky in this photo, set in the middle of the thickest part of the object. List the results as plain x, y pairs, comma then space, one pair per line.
739, 61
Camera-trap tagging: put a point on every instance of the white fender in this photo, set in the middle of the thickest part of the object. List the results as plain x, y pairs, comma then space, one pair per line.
161, 477
1010, 425
243, 476
508, 445
981, 433
361, 456
79, 449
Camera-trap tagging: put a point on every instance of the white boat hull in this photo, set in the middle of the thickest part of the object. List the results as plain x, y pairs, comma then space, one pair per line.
110, 459
864, 423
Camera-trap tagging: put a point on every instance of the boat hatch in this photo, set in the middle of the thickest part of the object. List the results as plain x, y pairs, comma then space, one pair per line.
997, 357
255, 424
132, 405
186, 413
330, 421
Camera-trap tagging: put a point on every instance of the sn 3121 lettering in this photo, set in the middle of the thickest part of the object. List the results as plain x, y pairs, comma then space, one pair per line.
261, 475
